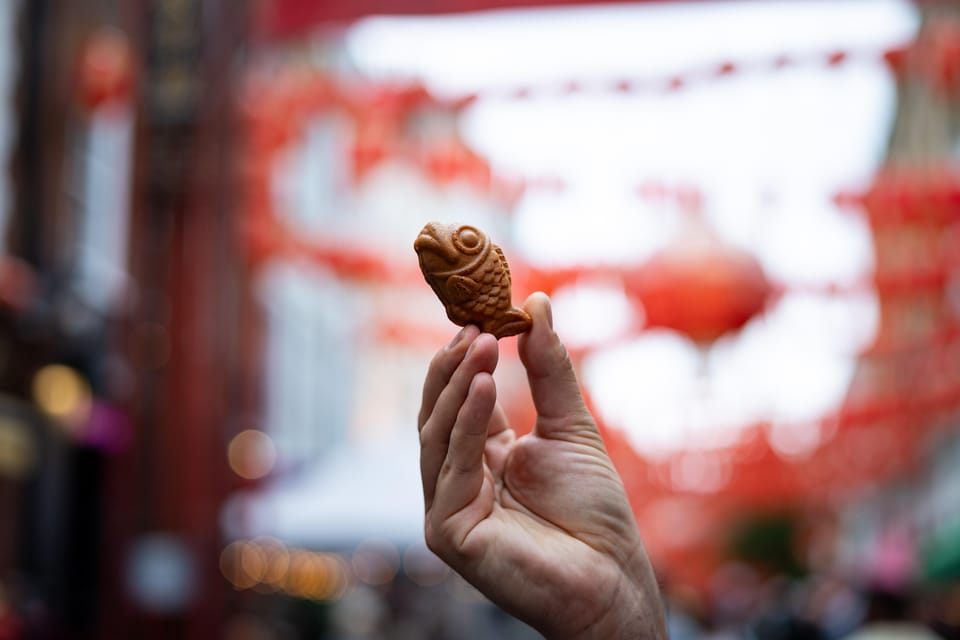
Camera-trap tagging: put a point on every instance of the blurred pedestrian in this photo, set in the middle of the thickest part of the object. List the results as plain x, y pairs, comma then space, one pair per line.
888, 618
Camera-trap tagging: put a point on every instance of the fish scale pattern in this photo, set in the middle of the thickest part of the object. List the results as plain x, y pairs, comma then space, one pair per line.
494, 283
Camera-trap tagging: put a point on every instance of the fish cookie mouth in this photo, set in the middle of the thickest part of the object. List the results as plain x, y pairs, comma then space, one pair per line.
429, 242
426, 242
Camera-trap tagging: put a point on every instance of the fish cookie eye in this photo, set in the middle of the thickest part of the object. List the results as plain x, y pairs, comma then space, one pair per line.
467, 239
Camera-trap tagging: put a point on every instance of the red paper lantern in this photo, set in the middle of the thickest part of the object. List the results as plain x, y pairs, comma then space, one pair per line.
942, 59
105, 73
379, 136
18, 284
451, 160
700, 287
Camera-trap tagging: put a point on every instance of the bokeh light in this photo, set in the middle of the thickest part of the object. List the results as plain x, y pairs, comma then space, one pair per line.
375, 562
231, 566
63, 394
253, 562
423, 567
161, 573
18, 453
266, 564
316, 576
251, 454
277, 560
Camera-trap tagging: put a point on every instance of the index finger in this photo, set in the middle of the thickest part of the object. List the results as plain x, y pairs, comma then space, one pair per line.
444, 363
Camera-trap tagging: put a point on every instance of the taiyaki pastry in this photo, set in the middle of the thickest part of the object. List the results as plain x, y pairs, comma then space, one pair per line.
470, 275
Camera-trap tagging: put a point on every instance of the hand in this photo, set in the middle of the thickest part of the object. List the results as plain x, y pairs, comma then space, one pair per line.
540, 524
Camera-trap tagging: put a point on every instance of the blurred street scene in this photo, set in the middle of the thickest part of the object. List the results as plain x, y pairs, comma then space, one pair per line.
213, 328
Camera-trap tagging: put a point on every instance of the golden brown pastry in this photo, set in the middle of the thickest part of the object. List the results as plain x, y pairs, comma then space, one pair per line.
470, 275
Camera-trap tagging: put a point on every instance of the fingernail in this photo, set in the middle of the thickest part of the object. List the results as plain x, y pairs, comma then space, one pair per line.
456, 339
473, 344
549, 312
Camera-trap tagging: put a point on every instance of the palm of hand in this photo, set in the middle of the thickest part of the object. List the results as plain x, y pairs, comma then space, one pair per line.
551, 510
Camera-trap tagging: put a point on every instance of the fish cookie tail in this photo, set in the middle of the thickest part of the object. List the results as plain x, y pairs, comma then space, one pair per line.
510, 323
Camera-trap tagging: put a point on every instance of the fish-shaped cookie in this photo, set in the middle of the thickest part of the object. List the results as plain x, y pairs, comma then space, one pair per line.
471, 277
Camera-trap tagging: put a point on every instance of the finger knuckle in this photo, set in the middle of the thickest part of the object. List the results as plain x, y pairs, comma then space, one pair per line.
455, 467
439, 362
425, 434
435, 540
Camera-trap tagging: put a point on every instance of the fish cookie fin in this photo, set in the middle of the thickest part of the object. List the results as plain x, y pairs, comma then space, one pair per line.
503, 262
462, 288
510, 323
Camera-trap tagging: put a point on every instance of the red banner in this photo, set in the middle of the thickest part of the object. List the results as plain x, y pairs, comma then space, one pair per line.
281, 19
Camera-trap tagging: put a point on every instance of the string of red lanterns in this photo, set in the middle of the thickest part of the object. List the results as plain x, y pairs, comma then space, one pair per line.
267, 238
757, 471
671, 83
379, 111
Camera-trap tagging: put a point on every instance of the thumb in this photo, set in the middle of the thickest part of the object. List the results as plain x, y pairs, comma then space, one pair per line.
553, 382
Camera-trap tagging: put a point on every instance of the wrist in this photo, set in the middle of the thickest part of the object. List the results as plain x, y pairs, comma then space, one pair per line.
636, 615
635, 612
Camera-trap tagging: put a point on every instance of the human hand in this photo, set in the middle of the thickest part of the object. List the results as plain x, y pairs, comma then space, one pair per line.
540, 524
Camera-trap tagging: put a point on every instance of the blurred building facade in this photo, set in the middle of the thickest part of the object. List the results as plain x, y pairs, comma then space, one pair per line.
125, 340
